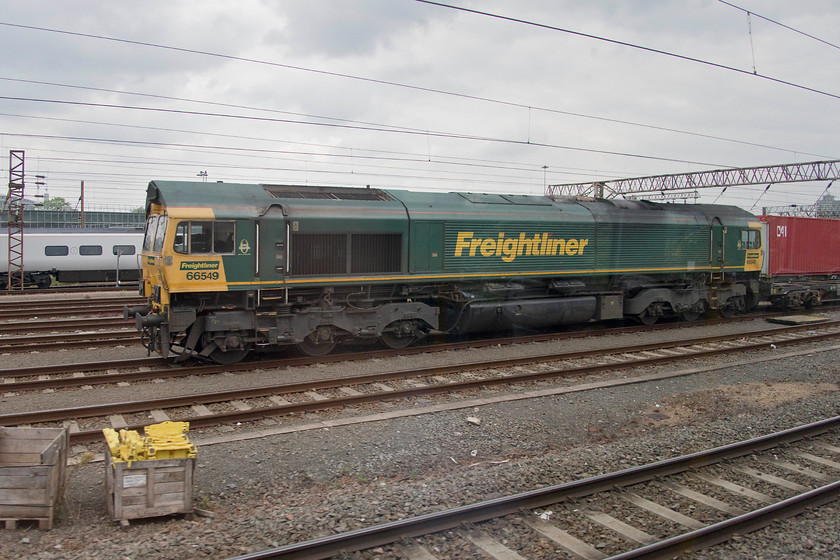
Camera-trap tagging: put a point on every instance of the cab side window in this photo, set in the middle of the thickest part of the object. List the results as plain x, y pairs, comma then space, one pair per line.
180, 245
200, 235
750, 239
223, 236
204, 238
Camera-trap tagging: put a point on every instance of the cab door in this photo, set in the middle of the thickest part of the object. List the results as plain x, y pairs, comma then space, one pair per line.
272, 239
718, 248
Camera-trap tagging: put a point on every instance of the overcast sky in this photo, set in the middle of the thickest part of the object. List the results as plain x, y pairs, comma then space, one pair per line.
403, 94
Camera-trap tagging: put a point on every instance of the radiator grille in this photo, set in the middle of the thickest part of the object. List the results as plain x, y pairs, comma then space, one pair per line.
318, 253
315, 254
325, 193
375, 253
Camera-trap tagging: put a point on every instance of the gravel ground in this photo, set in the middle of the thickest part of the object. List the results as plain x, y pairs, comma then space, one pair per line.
286, 488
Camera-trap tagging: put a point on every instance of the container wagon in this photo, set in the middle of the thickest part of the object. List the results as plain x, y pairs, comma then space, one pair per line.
802, 267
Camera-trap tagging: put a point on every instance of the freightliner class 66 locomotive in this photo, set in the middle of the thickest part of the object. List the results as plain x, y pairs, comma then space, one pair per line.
232, 267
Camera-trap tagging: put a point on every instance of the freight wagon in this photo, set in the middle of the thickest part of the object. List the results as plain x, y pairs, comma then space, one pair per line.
232, 267
803, 264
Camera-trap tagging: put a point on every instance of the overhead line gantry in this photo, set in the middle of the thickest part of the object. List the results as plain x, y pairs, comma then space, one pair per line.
788, 173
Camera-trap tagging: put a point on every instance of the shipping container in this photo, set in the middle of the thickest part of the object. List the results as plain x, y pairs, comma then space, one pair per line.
799, 246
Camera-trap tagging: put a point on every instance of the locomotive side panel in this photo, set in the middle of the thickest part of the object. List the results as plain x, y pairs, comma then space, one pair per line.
471, 236
345, 241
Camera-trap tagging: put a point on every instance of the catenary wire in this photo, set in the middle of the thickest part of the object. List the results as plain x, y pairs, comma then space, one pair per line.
395, 84
337, 119
633, 46
788, 27
289, 121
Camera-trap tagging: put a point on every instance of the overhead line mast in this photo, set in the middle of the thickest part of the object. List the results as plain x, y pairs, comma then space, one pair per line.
14, 204
788, 173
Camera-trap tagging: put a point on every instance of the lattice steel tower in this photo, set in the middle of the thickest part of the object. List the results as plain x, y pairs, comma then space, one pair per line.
14, 203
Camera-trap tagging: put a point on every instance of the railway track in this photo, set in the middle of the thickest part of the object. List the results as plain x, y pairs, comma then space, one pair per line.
19, 336
64, 307
244, 405
99, 338
651, 511
95, 288
62, 325
39, 378
10, 345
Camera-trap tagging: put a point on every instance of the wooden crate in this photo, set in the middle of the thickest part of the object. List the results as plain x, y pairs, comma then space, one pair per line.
148, 488
33, 464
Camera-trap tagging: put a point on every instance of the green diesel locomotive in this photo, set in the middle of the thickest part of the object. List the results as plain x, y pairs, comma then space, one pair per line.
232, 267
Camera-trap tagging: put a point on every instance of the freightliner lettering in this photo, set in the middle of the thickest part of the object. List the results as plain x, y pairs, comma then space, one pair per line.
508, 248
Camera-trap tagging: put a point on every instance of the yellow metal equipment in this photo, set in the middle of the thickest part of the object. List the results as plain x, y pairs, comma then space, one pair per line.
167, 440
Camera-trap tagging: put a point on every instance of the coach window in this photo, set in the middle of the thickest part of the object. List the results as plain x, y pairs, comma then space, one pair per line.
160, 234
124, 249
90, 249
56, 250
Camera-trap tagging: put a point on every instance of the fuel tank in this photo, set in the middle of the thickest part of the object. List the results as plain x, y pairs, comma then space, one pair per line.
527, 313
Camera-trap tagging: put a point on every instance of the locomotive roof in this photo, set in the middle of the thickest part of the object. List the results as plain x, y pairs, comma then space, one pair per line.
243, 200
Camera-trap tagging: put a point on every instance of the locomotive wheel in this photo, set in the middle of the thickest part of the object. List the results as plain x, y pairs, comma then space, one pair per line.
647, 318
399, 335
727, 312
311, 347
395, 342
229, 357
694, 313
689, 316
736, 305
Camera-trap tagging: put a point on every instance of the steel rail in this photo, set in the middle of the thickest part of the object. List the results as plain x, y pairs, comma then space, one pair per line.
95, 288
344, 543
73, 340
87, 436
61, 312
725, 530
33, 371
345, 356
63, 303
57, 325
